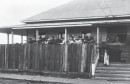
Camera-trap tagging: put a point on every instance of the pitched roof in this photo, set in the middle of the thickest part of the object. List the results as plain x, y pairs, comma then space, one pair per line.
83, 9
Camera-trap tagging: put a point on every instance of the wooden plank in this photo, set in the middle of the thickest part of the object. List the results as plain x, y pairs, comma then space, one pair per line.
55, 58
88, 57
83, 59
6, 56
59, 57
69, 58
28, 56
61, 49
3, 56
43, 57
52, 53
20, 57
75, 58
36, 55
17, 57
66, 58
63, 55
40, 57
9, 55
46, 57
24, 57
0, 56
12, 56
31, 58
79, 50
79, 56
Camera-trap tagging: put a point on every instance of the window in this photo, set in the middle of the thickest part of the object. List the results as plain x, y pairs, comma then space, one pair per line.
3, 38
117, 31
122, 37
24, 39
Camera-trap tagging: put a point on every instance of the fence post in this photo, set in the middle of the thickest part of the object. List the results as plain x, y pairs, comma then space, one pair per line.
66, 51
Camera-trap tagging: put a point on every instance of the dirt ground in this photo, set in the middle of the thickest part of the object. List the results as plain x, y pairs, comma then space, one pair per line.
10, 81
29, 79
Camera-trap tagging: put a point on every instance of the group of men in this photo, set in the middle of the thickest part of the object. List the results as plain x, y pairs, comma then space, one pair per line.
61, 40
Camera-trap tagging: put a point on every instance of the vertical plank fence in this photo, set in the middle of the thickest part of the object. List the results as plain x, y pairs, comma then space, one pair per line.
48, 58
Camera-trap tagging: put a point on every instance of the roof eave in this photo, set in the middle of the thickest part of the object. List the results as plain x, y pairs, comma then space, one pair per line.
78, 19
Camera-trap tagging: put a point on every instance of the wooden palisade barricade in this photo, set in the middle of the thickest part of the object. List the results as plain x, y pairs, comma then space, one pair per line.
44, 58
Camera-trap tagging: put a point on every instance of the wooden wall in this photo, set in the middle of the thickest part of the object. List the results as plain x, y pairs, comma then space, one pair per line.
103, 34
128, 35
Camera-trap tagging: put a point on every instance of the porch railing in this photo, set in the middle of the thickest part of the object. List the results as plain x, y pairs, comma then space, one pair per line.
48, 58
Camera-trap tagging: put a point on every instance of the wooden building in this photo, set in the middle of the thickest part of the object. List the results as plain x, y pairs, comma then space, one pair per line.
101, 18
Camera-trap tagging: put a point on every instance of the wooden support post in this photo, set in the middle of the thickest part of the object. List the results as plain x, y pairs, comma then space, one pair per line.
98, 40
66, 51
22, 39
95, 64
37, 35
12, 33
66, 36
27, 36
7, 38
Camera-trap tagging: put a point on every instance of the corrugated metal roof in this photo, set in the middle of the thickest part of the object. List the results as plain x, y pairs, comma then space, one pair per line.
84, 9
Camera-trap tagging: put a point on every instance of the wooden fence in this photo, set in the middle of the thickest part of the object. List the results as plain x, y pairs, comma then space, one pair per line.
47, 57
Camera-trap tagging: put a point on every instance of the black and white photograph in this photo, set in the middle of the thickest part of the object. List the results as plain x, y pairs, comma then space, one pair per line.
64, 41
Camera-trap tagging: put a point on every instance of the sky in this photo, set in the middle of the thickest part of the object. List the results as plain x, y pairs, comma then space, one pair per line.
14, 11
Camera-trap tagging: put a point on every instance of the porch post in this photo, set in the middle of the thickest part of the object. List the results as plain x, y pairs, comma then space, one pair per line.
66, 51
95, 64
27, 36
98, 40
37, 35
7, 38
22, 39
12, 33
66, 35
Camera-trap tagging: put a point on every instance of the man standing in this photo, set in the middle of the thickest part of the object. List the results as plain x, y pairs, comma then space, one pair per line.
89, 38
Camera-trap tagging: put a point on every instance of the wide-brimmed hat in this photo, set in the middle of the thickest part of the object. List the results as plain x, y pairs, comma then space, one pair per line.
79, 36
